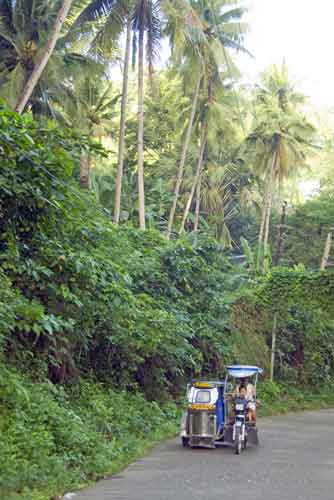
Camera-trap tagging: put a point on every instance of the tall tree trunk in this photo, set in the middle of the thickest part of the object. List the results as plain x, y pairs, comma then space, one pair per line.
264, 215
265, 198
198, 202
280, 237
45, 56
85, 171
200, 163
121, 140
270, 201
141, 191
183, 157
259, 257
267, 220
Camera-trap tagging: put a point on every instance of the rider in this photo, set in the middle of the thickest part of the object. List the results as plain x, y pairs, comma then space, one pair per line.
248, 390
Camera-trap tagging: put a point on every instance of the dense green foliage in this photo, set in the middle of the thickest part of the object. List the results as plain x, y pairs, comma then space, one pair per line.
55, 439
92, 305
94, 296
307, 229
302, 301
83, 298
102, 324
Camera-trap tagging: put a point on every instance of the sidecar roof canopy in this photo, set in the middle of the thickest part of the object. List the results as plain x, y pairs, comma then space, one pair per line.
243, 371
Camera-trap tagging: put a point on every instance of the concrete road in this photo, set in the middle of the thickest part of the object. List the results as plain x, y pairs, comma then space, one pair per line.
295, 461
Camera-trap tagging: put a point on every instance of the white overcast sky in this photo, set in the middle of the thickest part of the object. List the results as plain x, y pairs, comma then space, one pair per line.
302, 32
299, 31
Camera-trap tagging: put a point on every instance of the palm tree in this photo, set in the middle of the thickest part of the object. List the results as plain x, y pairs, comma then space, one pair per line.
280, 139
116, 16
215, 28
44, 57
143, 17
28, 36
25, 32
184, 31
146, 21
198, 174
214, 57
184, 151
216, 185
89, 106
121, 140
219, 198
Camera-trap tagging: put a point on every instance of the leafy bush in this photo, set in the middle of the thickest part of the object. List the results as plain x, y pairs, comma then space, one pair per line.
55, 439
270, 392
117, 301
307, 230
302, 301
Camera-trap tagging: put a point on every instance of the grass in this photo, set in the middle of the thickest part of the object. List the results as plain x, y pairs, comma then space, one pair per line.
56, 440
140, 450
277, 399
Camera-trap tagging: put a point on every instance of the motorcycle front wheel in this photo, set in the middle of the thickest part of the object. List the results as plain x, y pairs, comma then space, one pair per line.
238, 441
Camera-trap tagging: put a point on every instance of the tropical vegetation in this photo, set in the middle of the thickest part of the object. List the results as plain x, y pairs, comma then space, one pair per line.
153, 228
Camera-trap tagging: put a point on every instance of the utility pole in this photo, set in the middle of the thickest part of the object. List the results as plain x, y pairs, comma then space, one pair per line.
273, 347
280, 237
327, 249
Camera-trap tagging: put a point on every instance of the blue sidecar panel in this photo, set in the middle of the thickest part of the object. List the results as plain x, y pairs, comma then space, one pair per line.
220, 410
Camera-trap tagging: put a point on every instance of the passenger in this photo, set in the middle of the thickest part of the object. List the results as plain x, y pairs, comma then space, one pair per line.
248, 390
242, 392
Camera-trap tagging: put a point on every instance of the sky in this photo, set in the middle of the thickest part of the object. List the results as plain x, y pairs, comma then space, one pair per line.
302, 33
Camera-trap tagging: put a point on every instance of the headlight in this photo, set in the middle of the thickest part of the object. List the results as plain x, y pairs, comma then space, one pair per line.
239, 407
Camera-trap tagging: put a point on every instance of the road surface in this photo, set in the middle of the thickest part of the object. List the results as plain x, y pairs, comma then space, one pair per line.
295, 461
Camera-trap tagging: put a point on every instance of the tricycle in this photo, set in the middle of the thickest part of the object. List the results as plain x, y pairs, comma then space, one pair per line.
220, 411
